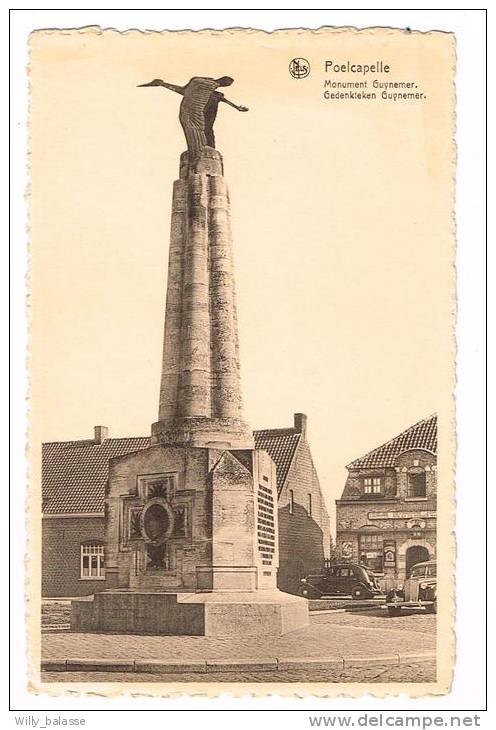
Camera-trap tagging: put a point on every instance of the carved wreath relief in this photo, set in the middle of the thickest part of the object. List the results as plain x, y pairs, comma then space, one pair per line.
156, 519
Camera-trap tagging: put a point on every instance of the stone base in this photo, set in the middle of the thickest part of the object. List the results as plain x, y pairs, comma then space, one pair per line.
226, 578
258, 613
261, 613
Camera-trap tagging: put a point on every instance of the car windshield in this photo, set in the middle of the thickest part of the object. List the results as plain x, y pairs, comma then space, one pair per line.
424, 571
418, 572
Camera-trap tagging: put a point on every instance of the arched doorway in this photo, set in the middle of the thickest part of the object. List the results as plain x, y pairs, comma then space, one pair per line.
415, 554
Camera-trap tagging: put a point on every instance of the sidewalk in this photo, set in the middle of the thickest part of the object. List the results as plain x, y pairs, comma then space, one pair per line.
338, 639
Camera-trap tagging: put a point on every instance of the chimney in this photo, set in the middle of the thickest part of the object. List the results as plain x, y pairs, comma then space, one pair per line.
101, 433
300, 424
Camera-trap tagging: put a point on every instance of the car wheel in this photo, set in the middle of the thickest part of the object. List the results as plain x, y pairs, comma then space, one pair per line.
394, 610
359, 593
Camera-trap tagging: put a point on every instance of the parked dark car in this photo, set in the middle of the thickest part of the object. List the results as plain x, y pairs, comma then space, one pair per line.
419, 591
343, 580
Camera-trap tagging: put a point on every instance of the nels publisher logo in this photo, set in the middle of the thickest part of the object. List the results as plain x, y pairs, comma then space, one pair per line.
299, 68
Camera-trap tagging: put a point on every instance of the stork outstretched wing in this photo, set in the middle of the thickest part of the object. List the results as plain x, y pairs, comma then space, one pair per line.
198, 109
197, 93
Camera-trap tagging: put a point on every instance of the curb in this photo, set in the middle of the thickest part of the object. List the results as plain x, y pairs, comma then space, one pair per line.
347, 609
325, 611
212, 666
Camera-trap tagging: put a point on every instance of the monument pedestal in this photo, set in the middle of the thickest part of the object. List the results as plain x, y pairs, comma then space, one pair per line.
256, 614
191, 547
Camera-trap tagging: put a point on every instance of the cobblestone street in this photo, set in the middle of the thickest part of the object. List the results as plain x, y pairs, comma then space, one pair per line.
420, 622
350, 636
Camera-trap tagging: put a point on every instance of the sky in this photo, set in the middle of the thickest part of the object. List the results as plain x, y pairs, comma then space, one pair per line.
342, 229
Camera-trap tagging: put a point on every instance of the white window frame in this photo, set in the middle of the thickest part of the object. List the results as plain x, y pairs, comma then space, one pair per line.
372, 485
92, 550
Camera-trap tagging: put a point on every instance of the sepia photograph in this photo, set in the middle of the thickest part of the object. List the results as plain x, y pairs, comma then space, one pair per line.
242, 431
252, 498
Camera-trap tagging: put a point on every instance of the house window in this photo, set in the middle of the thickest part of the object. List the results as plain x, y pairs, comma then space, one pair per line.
371, 552
92, 561
372, 485
417, 484
291, 502
309, 504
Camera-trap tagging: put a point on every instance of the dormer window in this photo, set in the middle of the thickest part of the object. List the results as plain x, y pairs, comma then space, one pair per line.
372, 485
417, 488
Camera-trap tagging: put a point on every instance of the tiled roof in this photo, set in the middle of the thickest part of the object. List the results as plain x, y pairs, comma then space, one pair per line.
423, 435
280, 444
74, 473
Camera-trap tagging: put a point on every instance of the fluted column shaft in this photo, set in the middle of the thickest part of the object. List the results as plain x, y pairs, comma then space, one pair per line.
200, 392
226, 387
194, 397
169, 386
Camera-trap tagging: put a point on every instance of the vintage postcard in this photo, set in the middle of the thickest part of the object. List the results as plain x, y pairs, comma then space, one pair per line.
242, 303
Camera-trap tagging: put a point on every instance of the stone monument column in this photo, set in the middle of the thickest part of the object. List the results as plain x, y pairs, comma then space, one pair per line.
200, 393
191, 529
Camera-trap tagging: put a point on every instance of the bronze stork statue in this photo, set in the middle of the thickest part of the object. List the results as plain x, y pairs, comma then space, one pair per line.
198, 109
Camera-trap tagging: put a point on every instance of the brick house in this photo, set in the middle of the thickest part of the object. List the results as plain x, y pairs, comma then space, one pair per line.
304, 526
386, 517
74, 477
